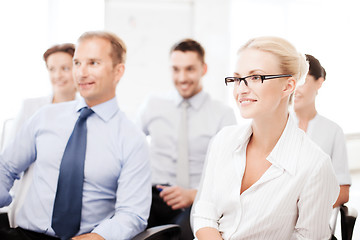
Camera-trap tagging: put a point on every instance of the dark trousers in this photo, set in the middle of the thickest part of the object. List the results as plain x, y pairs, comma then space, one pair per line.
161, 213
7, 233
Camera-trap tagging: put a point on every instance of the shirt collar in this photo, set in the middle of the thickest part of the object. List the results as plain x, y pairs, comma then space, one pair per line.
195, 101
105, 110
286, 151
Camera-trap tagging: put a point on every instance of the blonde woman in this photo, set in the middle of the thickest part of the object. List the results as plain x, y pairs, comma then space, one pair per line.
267, 179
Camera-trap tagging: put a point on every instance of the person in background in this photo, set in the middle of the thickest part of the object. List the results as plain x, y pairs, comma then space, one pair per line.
58, 60
265, 179
324, 132
91, 177
181, 124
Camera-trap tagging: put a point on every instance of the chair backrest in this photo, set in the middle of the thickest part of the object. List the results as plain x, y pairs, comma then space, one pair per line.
348, 218
353, 145
5, 132
164, 232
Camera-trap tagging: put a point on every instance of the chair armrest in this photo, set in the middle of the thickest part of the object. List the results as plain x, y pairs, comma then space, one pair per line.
348, 218
166, 232
349, 211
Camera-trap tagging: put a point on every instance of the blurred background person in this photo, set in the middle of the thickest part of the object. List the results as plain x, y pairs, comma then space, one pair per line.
181, 124
58, 60
324, 132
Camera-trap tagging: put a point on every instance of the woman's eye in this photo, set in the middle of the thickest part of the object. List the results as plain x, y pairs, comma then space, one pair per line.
255, 78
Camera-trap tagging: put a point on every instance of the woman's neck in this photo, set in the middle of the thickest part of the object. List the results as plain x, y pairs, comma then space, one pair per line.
58, 98
305, 115
267, 131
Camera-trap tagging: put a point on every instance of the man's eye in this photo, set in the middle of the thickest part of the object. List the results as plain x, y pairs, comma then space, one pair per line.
190, 69
94, 63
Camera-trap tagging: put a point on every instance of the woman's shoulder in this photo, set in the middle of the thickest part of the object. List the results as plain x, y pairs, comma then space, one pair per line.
326, 123
233, 131
311, 154
37, 102
230, 137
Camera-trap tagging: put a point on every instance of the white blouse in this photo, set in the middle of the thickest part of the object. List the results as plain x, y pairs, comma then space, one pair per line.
293, 198
331, 139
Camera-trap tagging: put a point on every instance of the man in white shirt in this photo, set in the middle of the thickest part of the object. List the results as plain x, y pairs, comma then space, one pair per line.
181, 124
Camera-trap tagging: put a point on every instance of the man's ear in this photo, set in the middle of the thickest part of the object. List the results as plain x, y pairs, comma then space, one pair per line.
205, 68
290, 86
119, 71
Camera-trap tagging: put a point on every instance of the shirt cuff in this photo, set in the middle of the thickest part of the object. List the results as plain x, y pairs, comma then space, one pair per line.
205, 215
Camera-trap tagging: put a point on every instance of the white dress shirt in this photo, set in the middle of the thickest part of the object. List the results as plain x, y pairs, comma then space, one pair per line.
160, 117
117, 188
330, 137
292, 199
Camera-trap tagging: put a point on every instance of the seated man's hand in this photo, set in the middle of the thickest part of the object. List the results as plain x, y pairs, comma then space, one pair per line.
89, 236
177, 197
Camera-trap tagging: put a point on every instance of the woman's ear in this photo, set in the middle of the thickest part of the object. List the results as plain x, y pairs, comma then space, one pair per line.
289, 86
319, 82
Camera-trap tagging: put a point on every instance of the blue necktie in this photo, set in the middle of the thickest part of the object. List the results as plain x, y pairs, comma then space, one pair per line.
68, 200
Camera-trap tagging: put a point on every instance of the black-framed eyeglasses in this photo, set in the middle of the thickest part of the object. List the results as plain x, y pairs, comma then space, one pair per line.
253, 79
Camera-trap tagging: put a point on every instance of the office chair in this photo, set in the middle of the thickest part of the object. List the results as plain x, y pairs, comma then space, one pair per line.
164, 232
348, 218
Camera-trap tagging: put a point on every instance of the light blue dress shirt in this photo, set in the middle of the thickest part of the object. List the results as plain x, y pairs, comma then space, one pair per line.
160, 117
117, 188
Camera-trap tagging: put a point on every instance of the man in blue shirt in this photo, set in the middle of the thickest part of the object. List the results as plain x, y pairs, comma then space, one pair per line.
116, 194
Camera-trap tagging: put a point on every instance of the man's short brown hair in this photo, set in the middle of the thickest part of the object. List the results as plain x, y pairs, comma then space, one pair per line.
190, 45
118, 53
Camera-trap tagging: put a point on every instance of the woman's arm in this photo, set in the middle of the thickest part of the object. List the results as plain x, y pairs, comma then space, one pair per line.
343, 196
208, 233
339, 160
316, 201
204, 214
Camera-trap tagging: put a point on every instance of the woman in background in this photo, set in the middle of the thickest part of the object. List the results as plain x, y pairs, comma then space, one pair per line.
58, 60
267, 179
324, 132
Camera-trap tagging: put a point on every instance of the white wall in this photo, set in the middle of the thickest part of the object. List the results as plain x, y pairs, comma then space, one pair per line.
23, 39
151, 27
326, 29
148, 28
28, 28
